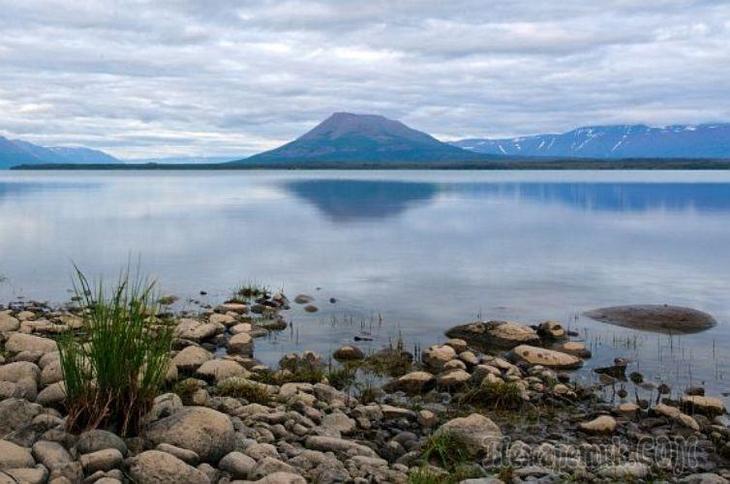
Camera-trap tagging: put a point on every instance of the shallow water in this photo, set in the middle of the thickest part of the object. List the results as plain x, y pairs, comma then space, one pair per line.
405, 253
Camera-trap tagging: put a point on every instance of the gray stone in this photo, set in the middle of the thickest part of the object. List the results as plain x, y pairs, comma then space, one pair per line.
238, 465
95, 440
494, 334
101, 460
155, 467
13, 456
660, 318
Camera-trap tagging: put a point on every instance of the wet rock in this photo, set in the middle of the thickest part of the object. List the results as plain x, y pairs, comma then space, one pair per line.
241, 343
413, 383
604, 424
482, 435
549, 358
206, 432
709, 406
311, 308
551, 331
348, 353
303, 299
655, 317
676, 414
155, 467
494, 334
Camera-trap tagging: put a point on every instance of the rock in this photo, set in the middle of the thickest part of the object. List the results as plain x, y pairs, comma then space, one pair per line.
13, 456
8, 323
282, 478
427, 418
709, 406
155, 467
36, 475
604, 424
224, 319
259, 451
190, 358
494, 334
196, 330
17, 371
185, 455
233, 307
677, 415
53, 395
551, 330
303, 299
453, 378
575, 348
238, 465
206, 432
101, 460
348, 353
437, 356
549, 358
340, 422
219, 370
19, 342
311, 308
413, 383
655, 317
458, 344
629, 471
628, 408
703, 478
333, 444
95, 440
618, 370
51, 454
241, 343
164, 406
269, 466
481, 434
52, 372
16, 414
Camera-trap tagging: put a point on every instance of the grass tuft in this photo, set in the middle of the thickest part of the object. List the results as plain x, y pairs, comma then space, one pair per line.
114, 371
446, 449
237, 387
250, 290
494, 395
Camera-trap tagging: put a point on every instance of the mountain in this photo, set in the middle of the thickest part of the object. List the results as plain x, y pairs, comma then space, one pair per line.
19, 152
624, 141
188, 160
346, 137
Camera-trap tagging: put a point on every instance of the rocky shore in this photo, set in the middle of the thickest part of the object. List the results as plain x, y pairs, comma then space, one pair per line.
495, 402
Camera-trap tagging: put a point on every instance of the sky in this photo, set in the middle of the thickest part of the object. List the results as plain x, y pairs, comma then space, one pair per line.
212, 77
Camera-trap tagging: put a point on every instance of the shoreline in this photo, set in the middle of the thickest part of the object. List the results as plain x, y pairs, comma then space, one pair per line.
388, 416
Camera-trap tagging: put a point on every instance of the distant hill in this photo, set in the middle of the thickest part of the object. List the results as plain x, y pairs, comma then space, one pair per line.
183, 160
708, 141
346, 137
19, 152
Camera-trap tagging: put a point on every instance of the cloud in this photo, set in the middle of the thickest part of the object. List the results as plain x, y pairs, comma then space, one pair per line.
193, 77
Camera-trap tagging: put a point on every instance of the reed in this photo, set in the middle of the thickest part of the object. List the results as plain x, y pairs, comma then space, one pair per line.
114, 370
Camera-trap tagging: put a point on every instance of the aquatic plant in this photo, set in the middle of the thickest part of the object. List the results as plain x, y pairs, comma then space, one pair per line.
250, 290
115, 369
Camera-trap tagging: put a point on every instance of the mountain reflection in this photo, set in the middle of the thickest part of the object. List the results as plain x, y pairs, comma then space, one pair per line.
352, 200
612, 197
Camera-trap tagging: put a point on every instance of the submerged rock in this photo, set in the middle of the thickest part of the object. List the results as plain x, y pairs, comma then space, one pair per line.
655, 317
494, 334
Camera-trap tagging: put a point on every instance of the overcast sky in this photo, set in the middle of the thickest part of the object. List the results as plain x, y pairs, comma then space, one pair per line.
212, 77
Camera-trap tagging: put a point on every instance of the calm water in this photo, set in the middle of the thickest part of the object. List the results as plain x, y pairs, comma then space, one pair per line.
404, 253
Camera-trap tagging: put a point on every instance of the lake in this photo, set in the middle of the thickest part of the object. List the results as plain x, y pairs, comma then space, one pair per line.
404, 253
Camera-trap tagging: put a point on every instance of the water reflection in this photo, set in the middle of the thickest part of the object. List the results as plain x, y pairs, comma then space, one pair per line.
350, 200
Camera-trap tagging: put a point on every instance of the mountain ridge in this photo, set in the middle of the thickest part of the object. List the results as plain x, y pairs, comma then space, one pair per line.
708, 140
16, 152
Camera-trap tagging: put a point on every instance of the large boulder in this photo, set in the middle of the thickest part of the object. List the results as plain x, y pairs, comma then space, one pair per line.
534, 355
660, 318
479, 432
156, 467
206, 432
494, 334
